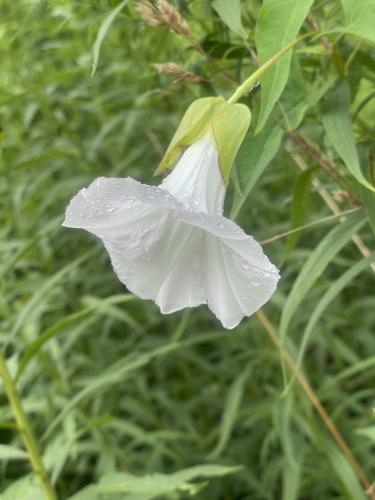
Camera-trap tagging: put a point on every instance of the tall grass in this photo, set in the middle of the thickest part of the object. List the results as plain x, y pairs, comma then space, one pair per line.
107, 382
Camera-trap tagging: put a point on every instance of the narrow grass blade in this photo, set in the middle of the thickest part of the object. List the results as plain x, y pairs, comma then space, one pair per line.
300, 204
231, 410
48, 284
8, 452
323, 254
328, 297
103, 30
345, 473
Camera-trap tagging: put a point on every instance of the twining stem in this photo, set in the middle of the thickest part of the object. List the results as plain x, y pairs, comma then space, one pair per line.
24, 427
253, 79
317, 404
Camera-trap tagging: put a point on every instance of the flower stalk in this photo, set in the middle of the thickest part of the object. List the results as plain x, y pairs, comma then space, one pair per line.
253, 79
24, 427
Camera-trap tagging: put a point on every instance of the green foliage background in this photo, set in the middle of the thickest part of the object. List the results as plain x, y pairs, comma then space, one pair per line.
109, 384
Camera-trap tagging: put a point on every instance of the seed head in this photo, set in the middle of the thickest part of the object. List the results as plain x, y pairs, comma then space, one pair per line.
163, 14
178, 72
172, 18
149, 13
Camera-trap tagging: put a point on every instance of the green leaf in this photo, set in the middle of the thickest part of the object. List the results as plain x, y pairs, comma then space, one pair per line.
254, 156
8, 452
292, 464
345, 473
360, 18
338, 126
230, 13
232, 407
323, 254
25, 313
278, 24
151, 486
26, 488
229, 124
300, 204
68, 320
291, 481
257, 152
103, 30
368, 199
162, 484
113, 375
297, 99
88, 493
367, 432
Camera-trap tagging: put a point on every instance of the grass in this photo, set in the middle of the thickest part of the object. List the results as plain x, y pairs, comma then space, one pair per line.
107, 382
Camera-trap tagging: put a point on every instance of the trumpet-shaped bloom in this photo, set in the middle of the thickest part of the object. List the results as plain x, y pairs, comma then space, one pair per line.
171, 243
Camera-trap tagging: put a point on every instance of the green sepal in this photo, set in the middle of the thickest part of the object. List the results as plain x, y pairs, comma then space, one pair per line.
227, 122
230, 123
194, 124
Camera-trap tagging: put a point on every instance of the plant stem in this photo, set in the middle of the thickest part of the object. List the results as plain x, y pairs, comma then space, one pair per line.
317, 404
252, 80
24, 427
310, 224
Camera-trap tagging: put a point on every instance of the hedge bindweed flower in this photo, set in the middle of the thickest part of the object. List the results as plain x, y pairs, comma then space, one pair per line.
172, 244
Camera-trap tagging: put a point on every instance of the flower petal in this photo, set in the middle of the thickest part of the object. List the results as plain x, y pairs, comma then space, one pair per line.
182, 286
176, 257
163, 266
196, 180
238, 278
110, 203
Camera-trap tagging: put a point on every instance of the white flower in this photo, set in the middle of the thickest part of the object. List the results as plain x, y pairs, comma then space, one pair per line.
172, 244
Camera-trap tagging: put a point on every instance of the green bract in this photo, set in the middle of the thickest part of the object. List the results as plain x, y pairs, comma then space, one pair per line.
228, 124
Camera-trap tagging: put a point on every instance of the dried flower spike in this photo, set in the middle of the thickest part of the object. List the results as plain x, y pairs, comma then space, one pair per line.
163, 14
149, 13
178, 72
173, 18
